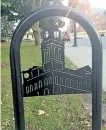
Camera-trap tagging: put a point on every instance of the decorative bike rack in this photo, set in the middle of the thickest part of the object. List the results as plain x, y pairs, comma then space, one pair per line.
52, 78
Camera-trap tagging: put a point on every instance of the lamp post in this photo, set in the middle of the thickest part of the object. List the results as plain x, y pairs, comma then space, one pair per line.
75, 35
74, 3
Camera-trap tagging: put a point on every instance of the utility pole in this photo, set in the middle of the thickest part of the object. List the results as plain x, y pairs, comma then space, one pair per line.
73, 4
75, 35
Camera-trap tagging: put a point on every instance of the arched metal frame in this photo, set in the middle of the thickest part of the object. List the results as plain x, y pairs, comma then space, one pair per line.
24, 25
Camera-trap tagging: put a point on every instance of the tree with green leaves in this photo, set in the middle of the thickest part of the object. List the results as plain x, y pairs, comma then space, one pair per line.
53, 20
20, 8
70, 3
7, 28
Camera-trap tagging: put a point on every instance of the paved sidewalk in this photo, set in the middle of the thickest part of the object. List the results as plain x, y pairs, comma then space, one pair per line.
82, 55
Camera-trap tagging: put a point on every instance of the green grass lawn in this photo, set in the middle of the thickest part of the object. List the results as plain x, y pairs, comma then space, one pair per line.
63, 112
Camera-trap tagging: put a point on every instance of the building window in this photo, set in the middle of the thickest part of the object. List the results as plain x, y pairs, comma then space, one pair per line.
54, 51
86, 11
49, 80
45, 56
76, 84
58, 90
35, 86
56, 80
59, 53
67, 82
27, 89
71, 82
80, 85
49, 51
45, 82
61, 81
27, 36
46, 91
40, 84
97, 17
31, 88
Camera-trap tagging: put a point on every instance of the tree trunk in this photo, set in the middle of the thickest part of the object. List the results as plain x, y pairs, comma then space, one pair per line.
36, 30
36, 33
75, 35
37, 37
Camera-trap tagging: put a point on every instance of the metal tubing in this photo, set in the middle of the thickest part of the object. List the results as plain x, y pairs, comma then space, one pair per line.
96, 61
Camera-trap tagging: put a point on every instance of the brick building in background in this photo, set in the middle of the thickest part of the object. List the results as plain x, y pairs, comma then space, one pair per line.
94, 14
99, 21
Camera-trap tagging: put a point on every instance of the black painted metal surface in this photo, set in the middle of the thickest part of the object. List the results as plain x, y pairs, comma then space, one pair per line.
53, 78
57, 68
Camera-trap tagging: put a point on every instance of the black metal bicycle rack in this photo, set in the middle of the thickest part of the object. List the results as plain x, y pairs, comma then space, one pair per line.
52, 78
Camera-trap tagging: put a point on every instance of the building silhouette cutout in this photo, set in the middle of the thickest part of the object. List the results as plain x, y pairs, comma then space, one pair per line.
53, 78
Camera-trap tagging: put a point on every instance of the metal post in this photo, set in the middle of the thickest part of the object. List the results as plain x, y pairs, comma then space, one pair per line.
75, 35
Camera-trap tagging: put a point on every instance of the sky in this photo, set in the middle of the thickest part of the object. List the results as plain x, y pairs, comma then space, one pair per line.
94, 3
98, 3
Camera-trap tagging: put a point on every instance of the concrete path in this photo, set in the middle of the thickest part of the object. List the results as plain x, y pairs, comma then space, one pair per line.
82, 55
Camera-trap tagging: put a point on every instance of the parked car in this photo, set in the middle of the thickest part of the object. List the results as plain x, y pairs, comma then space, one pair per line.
66, 37
102, 35
3, 41
79, 37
